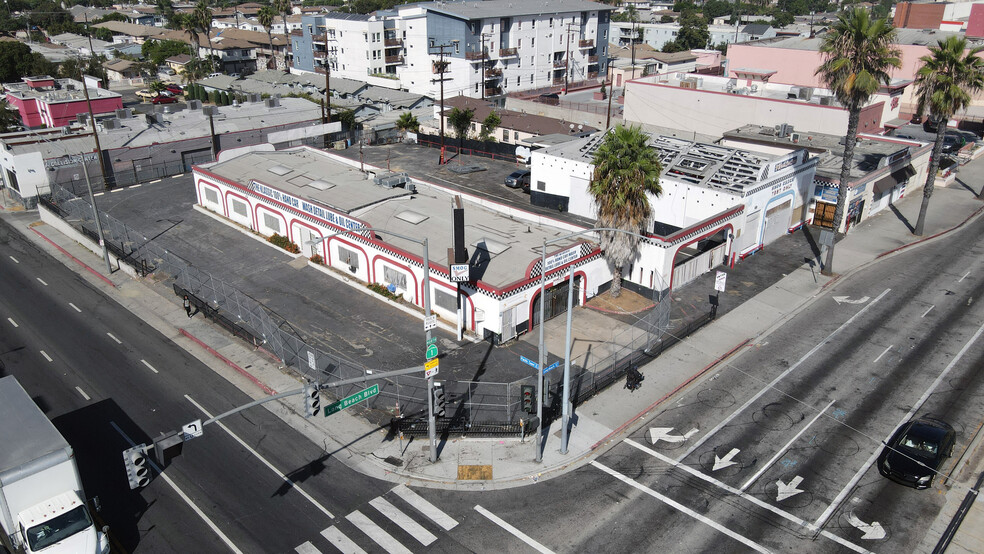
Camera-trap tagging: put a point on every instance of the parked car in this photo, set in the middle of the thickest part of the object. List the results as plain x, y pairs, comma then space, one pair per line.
164, 100
916, 452
953, 142
519, 179
146, 94
174, 89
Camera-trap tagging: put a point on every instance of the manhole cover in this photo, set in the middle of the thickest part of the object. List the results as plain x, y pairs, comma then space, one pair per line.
393, 461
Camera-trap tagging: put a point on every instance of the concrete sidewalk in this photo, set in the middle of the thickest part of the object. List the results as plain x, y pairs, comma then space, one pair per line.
477, 464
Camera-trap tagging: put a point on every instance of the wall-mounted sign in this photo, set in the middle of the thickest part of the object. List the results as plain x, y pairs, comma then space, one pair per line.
562, 258
459, 273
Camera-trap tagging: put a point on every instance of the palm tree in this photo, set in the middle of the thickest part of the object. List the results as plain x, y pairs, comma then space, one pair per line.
407, 122
203, 17
266, 16
944, 83
858, 54
284, 8
626, 172
189, 25
157, 87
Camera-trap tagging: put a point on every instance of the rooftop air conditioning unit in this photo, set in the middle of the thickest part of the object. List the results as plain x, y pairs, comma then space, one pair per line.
793, 93
826, 100
805, 93
111, 124
210, 110
121, 114
273, 102
82, 118
194, 104
254, 97
795, 137
778, 130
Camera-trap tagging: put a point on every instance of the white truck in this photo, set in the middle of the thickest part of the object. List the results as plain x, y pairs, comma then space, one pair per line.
42, 505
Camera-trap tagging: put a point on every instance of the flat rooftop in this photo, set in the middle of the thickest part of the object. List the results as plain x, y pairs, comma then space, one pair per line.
904, 36
695, 163
868, 153
501, 248
63, 90
507, 8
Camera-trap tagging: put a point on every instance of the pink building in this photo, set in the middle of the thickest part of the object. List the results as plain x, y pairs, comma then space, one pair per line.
794, 61
44, 101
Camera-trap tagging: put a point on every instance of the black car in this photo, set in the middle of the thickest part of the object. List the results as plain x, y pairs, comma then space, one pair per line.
916, 452
952, 142
519, 179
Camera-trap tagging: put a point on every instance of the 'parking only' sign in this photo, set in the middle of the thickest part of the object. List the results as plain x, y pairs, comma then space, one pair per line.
719, 280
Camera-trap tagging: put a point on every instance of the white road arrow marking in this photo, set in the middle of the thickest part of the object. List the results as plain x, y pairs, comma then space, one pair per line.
847, 300
657, 434
786, 491
874, 531
721, 463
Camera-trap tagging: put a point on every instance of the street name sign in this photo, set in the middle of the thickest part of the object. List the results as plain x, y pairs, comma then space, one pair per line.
351, 400
551, 366
529, 362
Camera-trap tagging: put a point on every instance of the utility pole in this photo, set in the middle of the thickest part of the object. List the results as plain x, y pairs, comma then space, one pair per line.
567, 69
95, 215
611, 92
632, 38
327, 76
440, 67
92, 120
483, 64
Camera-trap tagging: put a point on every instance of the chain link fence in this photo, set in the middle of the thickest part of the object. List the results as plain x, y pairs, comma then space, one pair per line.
488, 407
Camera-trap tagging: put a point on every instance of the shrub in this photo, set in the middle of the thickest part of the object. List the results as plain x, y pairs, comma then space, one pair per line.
382, 290
317, 259
285, 243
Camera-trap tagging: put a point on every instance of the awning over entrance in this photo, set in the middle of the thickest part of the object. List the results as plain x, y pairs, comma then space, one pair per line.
889, 181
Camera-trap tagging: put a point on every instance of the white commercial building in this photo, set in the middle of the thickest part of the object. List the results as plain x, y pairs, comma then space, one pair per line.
313, 197
718, 203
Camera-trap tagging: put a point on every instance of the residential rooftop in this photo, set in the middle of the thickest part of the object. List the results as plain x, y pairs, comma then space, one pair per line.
62, 90
516, 121
483, 9
904, 36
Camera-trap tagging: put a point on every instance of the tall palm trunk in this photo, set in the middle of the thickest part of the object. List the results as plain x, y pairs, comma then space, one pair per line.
273, 55
208, 35
844, 187
934, 165
616, 289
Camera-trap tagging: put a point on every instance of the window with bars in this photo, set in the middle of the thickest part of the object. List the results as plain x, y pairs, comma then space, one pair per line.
239, 208
395, 277
348, 257
271, 222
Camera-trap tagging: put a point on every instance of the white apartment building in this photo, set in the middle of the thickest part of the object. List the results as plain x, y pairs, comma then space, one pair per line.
658, 34
521, 47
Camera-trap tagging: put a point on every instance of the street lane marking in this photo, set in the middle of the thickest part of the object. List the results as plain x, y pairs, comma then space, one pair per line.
118, 341
307, 548
515, 532
394, 514
99, 194
181, 493
12, 322
431, 511
809, 355
785, 448
751, 498
681, 508
76, 307
82, 392
929, 310
149, 366
377, 533
912, 411
40, 280
292, 484
15, 259
46, 356
960, 280
341, 542
883, 353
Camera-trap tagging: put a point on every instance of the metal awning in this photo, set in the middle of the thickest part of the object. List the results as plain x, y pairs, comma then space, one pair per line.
889, 181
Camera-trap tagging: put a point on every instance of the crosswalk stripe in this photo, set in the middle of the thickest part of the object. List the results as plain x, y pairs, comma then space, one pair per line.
425, 507
377, 533
307, 548
341, 542
415, 529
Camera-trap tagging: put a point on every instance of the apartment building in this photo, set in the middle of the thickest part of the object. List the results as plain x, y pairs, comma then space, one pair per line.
658, 34
490, 47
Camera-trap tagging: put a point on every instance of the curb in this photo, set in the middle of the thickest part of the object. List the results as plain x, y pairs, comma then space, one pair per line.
229, 363
74, 259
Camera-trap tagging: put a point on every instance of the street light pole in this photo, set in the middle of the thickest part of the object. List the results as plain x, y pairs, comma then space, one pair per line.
566, 419
541, 359
95, 215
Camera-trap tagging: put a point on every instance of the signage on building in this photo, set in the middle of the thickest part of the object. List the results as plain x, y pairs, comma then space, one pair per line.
827, 193
67, 160
785, 163
562, 258
459, 273
313, 209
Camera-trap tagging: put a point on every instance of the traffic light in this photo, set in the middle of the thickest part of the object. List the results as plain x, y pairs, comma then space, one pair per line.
438, 399
528, 393
137, 472
312, 399
166, 447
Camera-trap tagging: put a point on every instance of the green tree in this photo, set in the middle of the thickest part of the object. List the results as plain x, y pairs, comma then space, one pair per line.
157, 87
945, 81
9, 118
858, 54
626, 172
284, 8
17, 61
195, 70
266, 15
224, 98
187, 23
407, 122
159, 50
666, 19
460, 121
347, 119
165, 10
693, 31
489, 125
203, 18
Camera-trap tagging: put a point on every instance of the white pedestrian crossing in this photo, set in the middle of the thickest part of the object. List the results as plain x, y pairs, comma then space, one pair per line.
401, 517
415, 529
341, 542
376, 533
307, 548
425, 507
